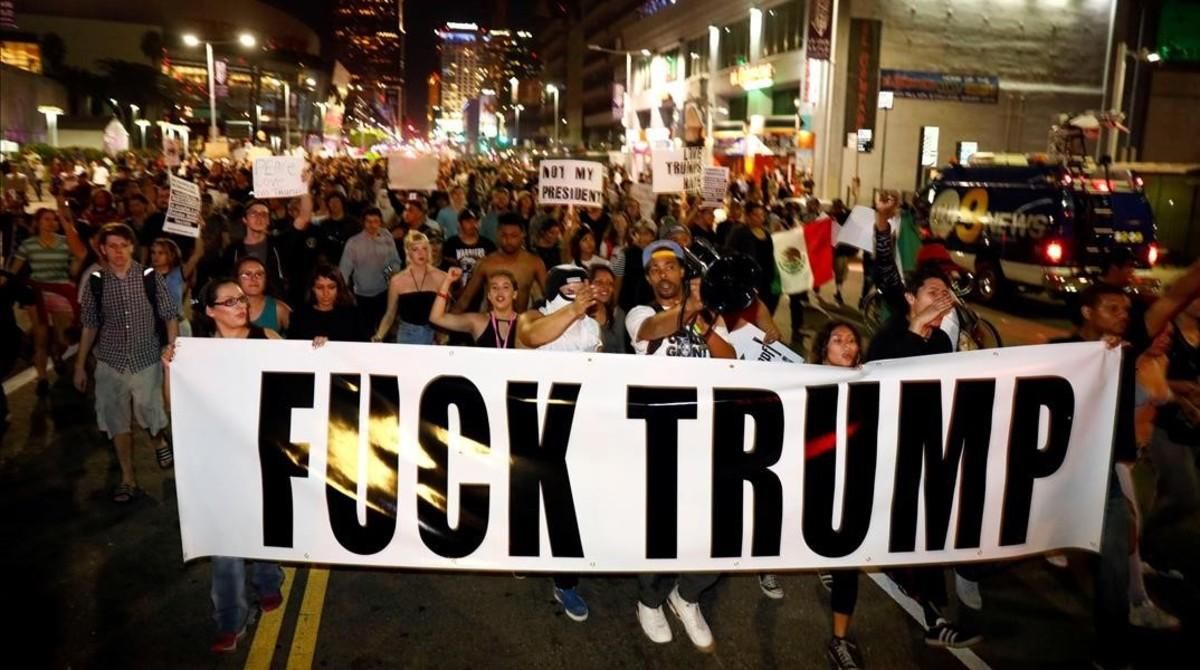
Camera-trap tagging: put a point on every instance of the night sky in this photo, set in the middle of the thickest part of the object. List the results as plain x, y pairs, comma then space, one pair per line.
423, 16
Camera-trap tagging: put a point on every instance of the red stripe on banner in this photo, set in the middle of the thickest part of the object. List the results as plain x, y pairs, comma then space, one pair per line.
826, 442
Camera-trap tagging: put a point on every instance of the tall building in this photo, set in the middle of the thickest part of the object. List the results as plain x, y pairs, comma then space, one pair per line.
460, 48
369, 40
584, 78
511, 54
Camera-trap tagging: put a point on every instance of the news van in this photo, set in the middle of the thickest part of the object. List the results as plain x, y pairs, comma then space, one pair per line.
1037, 227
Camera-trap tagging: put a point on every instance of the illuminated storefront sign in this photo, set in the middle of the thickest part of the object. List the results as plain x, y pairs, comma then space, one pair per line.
753, 77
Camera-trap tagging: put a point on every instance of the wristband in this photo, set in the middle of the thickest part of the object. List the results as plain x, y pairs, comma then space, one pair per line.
444, 296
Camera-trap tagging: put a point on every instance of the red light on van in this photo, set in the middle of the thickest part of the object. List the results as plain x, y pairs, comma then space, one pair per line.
1100, 185
1138, 182
1054, 252
1152, 254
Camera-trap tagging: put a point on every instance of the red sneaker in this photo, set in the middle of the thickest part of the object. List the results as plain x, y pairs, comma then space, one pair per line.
227, 642
270, 602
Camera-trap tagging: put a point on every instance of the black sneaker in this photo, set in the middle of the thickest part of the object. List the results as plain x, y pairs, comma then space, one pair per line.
951, 636
843, 654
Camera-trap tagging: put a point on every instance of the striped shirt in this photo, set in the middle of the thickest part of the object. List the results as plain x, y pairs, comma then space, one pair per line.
50, 264
127, 341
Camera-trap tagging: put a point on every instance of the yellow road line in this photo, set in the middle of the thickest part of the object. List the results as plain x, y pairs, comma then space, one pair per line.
266, 634
308, 623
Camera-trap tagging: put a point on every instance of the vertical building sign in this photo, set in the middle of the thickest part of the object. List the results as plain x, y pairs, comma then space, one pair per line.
820, 27
862, 74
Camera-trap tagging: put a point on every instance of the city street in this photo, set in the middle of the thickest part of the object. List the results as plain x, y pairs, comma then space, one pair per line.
103, 585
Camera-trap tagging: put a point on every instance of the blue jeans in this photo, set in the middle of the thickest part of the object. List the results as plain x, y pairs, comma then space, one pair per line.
230, 607
411, 333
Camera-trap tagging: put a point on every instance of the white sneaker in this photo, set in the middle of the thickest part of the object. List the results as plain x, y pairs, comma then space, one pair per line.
1148, 615
770, 586
654, 624
968, 592
1058, 560
693, 621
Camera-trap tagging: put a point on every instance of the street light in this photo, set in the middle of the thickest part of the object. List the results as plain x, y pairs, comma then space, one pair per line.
245, 39
628, 75
52, 113
517, 126
515, 83
142, 124
553, 90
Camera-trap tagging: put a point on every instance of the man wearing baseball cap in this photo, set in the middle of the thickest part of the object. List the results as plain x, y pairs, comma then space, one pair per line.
675, 323
468, 247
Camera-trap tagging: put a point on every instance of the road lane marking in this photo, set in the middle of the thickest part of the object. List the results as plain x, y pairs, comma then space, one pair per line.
308, 621
15, 382
266, 635
965, 656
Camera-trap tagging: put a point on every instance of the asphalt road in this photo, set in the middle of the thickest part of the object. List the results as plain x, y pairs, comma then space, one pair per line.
93, 584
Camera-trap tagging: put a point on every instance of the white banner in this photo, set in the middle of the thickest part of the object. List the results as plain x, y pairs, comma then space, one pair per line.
412, 173
183, 208
570, 182
667, 170
472, 459
279, 177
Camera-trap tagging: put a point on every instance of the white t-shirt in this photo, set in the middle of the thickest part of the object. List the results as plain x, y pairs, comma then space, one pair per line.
583, 335
682, 344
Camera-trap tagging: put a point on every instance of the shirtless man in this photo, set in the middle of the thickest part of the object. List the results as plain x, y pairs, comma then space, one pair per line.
512, 256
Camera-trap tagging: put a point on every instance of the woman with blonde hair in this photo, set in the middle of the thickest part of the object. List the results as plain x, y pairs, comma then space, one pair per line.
411, 293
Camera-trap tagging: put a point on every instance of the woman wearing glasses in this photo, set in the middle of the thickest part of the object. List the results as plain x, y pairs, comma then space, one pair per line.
266, 311
227, 315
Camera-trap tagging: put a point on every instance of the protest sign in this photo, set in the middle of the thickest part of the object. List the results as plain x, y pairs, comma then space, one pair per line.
667, 170
183, 208
408, 172
570, 182
859, 229
644, 195
748, 342
715, 184
279, 177
693, 168
468, 459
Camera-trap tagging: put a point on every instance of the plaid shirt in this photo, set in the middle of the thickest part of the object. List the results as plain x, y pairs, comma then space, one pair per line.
127, 341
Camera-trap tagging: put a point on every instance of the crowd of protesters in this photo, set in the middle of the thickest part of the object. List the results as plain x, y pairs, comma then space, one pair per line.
479, 263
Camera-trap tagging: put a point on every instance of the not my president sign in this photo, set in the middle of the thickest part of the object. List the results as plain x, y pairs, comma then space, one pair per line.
571, 182
445, 457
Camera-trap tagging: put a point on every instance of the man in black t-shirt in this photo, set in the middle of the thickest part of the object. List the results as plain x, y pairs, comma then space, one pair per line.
467, 248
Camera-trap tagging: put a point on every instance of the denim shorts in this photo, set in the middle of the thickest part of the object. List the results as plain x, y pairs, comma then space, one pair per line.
123, 396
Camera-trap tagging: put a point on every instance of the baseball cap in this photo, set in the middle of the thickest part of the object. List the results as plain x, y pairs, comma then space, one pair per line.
660, 247
468, 213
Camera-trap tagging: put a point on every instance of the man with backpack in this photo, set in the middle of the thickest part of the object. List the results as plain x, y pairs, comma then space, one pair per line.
128, 313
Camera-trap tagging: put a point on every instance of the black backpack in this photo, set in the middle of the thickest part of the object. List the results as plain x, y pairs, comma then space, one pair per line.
149, 283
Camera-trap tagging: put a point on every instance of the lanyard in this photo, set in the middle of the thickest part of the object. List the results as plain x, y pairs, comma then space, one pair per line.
501, 344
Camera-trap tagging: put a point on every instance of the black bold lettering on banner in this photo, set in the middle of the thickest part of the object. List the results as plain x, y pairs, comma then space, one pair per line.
540, 466
433, 483
341, 477
662, 408
279, 458
920, 444
858, 493
732, 465
1028, 460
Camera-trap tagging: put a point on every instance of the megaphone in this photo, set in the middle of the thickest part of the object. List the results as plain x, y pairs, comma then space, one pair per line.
727, 281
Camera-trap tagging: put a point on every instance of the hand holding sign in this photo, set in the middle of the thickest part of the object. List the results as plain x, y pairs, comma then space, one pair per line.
279, 177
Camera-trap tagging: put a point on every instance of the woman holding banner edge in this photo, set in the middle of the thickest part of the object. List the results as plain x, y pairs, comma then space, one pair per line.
227, 313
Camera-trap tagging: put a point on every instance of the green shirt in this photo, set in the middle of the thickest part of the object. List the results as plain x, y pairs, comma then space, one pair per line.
50, 264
